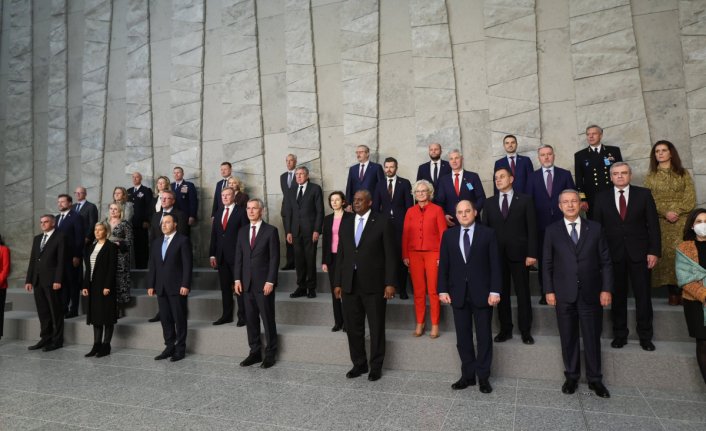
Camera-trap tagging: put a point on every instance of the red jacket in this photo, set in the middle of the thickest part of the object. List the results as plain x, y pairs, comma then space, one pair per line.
423, 229
4, 266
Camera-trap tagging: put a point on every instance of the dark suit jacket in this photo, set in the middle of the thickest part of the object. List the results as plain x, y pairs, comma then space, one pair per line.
593, 170
639, 234
424, 171
283, 185
571, 270
523, 169
223, 242
174, 272
326, 257
547, 207
142, 205
397, 207
186, 199
307, 216
72, 227
89, 215
376, 257
259, 265
471, 189
481, 274
104, 271
217, 202
47, 267
156, 227
373, 175
517, 235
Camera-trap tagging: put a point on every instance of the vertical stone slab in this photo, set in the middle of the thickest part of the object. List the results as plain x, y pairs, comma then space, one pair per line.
360, 47
138, 100
57, 133
96, 49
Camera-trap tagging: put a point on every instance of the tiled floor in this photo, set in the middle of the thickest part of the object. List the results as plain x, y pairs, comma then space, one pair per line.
128, 390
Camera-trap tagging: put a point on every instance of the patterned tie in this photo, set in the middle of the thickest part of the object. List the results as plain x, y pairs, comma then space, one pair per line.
505, 209
574, 234
512, 164
359, 231
252, 237
466, 244
361, 174
224, 223
550, 182
436, 172
44, 242
457, 186
389, 189
165, 243
622, 203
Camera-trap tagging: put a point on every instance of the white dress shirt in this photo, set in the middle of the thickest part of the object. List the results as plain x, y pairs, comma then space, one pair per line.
616, 196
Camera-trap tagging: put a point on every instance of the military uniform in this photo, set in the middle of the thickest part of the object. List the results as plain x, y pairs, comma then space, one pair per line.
592, 171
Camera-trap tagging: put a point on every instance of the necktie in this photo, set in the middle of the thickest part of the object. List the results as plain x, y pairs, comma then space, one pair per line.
457, 186
436, 173
165, 243
389, 189
289, 180
300, 193
550, 182
252, 237
44, 242
505, 209
574, 234
361, 174
622, 203
61, 218
466, 244
78, 207
224, 223
512, 164
359, 231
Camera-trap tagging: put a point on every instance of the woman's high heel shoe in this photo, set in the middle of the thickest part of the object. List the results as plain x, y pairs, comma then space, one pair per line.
434, 331
419, 331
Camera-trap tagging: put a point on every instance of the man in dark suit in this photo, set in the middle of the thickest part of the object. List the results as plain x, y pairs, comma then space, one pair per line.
45, 276
629, 218
435, 168
141, 198
592, 167
226, 172
169, 277
224, 232
303, 221
469, 280
365, 175
168, 207
520, 166
365, 278
88, 212
256, 262
511, 215
187, 200
286, 183
578, 279
393, 197
545, 185
457, 186
70, 223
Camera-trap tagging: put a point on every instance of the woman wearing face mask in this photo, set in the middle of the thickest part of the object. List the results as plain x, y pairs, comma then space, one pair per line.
691, 274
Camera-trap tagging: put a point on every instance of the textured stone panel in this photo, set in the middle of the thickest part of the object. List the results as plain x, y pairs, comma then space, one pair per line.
326, 33
559, 131
600, 23
552, 14
659, 50
668, 119
611, 52
642, 7
271, 43
465, 20
274, 103
608, 87
471, 76
396, 85
395, 29
397, 137
554, 69
581, 7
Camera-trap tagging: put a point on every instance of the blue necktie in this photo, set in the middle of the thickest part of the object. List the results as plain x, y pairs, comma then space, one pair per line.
359, 231
574, 234
466, 244
164, 246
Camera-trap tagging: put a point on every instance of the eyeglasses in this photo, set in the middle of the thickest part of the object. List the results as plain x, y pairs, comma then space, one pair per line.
421, 191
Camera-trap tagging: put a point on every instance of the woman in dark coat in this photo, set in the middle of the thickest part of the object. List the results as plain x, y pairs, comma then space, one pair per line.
101, 260
329, 247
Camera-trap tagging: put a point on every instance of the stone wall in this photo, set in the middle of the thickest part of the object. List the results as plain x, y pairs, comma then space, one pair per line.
95, 89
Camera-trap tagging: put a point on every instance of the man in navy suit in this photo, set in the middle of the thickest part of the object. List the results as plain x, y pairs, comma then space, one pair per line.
169, 278
393, 197
545, 185
520, 166
88, 212
457, 186
70, 223
435, 168
187, 201
286, 183
365, 175
470, 280
256, 264
226, 172
141, 198
578, 279
226, 224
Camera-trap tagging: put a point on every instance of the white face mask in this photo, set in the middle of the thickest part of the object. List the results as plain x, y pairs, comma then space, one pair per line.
700, 229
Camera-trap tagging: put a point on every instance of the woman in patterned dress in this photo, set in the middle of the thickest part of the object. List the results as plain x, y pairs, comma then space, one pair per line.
122, 237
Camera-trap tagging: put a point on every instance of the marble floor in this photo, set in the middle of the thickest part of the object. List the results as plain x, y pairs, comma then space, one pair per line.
129, 390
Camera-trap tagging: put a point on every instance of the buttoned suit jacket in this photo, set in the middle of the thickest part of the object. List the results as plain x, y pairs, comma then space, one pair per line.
397, 206
89, 216
424, 171
546, 206
517, 235
187, 199
181, 220
217, 202
72, 227
592, 170
259, 265
167, 276
471, 190
223, 242
47, 266
373, 175
141, 204
307, 216
523, 169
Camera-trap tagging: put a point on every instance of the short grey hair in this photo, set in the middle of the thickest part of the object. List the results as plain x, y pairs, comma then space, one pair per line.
595, 126
426, 184
259, 202
455, 151
619, 164
543, 146
566, 191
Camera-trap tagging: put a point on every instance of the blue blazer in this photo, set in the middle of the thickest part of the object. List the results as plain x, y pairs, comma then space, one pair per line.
186, 198
424, 171
373, 175
480, 275
471, 189
217, 202
523, 169
547, 207
72, 227
168, 275
395, 208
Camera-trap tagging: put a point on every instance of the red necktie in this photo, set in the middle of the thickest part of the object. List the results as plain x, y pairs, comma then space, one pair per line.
512, 164
252, 238
622, 203
457, 186
224, 223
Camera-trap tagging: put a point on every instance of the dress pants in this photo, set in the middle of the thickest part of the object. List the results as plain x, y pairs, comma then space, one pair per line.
258, 305
51, 316
290, 255
520, 279
140, 246
540, 247
71, 287
590, 318
424, 270
640, 282
356, 306
337, 308
305, 261
474, 363
225, 278
172, 314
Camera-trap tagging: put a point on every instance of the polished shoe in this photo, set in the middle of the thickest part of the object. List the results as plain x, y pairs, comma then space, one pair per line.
463, 383
70, 315
419, 330
647, 345
154, 319
569, 386
298, 293
38, 346
542, 300
404, 295
502, 337
356, 372
177, 357
374, 375
618, 342
311, 293
50, 347
164, 355
527, 339
434, 333
484, 386
222, 321
267, 363
103, 351
336, 328
599, 389
287, 267
240, 323
94, 351
251, 359
674, 299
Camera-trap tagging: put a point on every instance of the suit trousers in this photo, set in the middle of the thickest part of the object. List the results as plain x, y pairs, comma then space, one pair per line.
424, 270
51, 315
172, 313
540, 247
337, 308
640, 281
225, 279
305, 261
71, 287
258, 305
571, 315
520, 279
356, 306
290, 255
474, 363
140, 246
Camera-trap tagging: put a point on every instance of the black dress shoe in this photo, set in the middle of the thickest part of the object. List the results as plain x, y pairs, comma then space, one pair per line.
484, 386
104, 350
240, 323
287, 267
311, 293
502, 337
527, 339
50, 347
250, 360
37, 346
374, 375
404, 295
599, 389
177, 357
267, 363
542, 300
336, 328
647, 345
463, 383
70, 315
164, 355
94, 351
569, 386
356, 372
222, 321
618, 342
298, 293
154, 319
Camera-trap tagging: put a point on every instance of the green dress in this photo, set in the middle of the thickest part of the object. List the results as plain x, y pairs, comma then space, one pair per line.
671, 193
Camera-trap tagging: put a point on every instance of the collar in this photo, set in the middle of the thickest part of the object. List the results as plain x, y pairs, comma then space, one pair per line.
230, 207
170, 236
470, 226
394, 179
257, 225
600, 147
626, 189
364, 216
65, 212
568, 223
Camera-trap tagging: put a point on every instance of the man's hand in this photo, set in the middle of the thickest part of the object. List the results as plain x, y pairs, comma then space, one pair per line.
150, 292
389, 292
324, 267
106, 292
315, 237
651, 261
672, 217
213, 263
445, 298
406, 262
290, 239
337, 292
56, 286
606, 299
530, 261
192, 221
449, 221
493, 300
183, 291
551, 299
268, 288
28, 287
238, 288
76, 261
84, 292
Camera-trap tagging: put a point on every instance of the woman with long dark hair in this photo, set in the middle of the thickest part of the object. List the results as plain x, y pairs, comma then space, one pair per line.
329, 248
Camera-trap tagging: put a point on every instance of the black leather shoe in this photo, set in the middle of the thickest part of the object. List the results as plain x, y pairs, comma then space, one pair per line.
356, 372
70, 315
164, 355
569, 386
50, 347
527, 339
250, 360
222, 321
542, 300
287, 267
104, 350
298, 293
599, 389
94, 351
484, 386
404, 295
267, 363
336, 328
154, 319
37, 346
374, 375
311, 293
240, 323
463, 383
177, 357
502, 337
647, 345
618, 342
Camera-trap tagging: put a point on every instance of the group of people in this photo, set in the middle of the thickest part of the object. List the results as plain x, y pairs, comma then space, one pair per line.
383, 229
